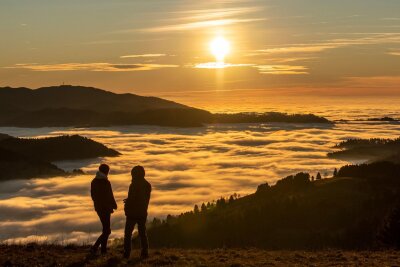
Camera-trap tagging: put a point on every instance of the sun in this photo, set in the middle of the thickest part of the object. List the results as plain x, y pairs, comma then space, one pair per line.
220, 47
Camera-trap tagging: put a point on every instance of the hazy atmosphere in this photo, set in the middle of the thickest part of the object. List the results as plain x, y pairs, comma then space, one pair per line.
214, 125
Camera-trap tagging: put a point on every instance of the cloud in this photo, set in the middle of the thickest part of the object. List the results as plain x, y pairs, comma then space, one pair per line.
200, 24
394, 52
204, 18
282, 69
317, 47
295, 49
251, 142
185, 166
391, 19
106, 67
143, 55
207, 14
218, 65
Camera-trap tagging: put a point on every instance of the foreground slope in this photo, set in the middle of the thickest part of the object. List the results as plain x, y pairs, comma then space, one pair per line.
47, 255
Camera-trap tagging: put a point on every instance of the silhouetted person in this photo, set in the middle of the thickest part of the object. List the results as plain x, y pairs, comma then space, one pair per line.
104, 204
136, 211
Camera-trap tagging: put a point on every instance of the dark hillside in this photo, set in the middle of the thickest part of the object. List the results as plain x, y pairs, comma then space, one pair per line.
295, 213
57, 148
16, 166
26, 158
374, 149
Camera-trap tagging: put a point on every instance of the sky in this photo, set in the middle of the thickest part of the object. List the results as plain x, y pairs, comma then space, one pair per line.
162, 47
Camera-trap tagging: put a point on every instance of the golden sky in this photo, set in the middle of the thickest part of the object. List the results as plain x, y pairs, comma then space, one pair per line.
162, 47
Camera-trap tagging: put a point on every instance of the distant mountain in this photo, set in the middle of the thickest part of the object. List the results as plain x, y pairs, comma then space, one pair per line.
79, 106
24, 158
86, 106
79, 98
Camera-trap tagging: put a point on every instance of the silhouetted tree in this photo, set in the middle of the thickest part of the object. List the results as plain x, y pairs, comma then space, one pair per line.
196, 209
318, 176
221, 202
335, 172
262, 188
203, 207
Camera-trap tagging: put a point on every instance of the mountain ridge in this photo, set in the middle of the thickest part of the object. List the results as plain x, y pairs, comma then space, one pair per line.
79, 106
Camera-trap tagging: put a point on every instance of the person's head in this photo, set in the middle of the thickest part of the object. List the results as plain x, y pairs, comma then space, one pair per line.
104, 168
138, 172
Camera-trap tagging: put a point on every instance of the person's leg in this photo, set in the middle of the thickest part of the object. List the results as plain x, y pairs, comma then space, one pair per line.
129, 226
144, 243
106, 222
100, 238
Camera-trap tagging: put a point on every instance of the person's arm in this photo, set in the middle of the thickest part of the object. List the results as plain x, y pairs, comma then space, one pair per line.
148, 195
129, 198
113, 202
92, 191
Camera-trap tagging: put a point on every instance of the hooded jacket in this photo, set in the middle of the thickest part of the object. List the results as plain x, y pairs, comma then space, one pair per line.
138, 199
102, 194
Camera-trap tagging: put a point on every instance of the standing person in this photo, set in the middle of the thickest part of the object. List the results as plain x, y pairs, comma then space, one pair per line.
136, 211
104, 204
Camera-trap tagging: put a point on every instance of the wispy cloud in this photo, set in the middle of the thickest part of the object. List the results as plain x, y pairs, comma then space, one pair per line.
367, 39
205, 14
282, 69
394, 52
107, 67
203, 18
391, 19
301, 48
200, 24
218, 65
144, 55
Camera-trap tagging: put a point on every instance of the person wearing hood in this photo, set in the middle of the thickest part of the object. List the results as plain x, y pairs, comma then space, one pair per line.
104, 205
136, 210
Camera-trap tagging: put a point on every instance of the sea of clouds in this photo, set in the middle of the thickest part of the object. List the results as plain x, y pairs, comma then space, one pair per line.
185, 166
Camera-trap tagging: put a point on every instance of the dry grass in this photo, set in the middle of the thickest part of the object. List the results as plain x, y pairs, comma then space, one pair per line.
51, 255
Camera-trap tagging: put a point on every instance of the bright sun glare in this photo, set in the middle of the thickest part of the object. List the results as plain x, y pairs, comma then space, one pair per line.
220, 47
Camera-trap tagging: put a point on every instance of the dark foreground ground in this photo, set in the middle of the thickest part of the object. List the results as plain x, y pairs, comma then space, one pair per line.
50, 255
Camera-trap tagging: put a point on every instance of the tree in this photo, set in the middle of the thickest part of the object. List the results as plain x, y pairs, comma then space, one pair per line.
318, 176
203, 207
335, 173
221, 202
312, 178
196, 209
156, 222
